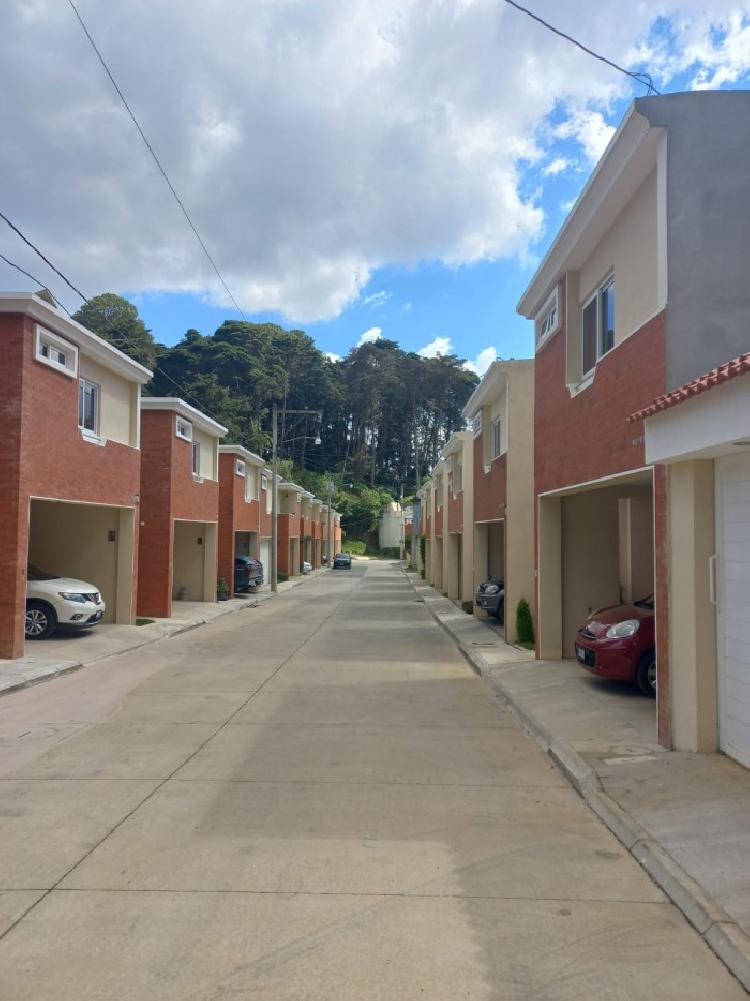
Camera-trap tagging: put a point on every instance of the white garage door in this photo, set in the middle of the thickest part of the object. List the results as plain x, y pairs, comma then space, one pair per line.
733, 614
265, 559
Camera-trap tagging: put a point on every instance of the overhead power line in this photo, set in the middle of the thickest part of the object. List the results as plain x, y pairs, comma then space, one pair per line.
642, 78
46, 260
155, 158
39, 282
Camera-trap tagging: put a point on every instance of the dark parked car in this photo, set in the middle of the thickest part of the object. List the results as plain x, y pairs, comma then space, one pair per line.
618, 643
342, 561
248, 572
491, 597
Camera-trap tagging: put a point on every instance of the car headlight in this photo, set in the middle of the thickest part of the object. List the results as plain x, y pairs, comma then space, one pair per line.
627, 628
491, 589
72, 596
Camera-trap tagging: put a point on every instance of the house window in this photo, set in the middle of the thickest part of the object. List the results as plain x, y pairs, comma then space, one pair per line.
597, 326
196, 458
497, 437
57, 353
183, 429
476, 424
250, 484
239, 467
88, 407
548, 319
458, 479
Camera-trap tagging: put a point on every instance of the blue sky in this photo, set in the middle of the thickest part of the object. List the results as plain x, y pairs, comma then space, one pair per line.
384, 167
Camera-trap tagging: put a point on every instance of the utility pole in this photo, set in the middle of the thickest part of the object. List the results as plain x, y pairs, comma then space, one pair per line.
274, 505
330, 524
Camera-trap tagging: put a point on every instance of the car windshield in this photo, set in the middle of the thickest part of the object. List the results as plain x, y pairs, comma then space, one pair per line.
34, 573
645, 602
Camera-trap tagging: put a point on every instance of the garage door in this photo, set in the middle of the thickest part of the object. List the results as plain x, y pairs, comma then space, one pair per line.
265, 558
733, 610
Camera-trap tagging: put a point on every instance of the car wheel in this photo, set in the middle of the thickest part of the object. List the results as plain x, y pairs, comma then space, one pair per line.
500, 612
41, 620
645, 674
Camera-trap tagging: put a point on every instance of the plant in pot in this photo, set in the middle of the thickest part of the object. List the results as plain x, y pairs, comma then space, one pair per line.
222, 591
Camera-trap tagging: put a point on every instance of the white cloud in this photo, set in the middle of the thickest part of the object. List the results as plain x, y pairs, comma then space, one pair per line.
370, 336
332, 356
406, 307
377, 298
590, 129
440, 346
557, 166
482, 361
312, 143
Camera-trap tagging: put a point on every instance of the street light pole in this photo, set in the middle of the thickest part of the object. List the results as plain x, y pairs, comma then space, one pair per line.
274, 504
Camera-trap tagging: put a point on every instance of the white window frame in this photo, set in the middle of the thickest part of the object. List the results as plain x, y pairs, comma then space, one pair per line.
91, 434
476, 423
182, 428
251, 484
46, 339
458, 478
240, 469
196, 453
548, 320
596, 295
496, 441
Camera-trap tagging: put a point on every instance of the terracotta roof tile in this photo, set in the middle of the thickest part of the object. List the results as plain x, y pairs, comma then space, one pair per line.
737, 366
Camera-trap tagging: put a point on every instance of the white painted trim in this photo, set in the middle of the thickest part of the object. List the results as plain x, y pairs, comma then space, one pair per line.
612, 479
662, 256
248, 456
188, 432
93, 346
553, 299
178, 406
44, 336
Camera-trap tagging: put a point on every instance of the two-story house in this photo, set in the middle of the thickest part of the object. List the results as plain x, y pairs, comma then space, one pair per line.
643, 289
500, 413
178, 544
458, 521
288, 528
70, 460
439, 500
240, 474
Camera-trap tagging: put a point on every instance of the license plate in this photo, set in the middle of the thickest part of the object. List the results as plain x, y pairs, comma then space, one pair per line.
581, 654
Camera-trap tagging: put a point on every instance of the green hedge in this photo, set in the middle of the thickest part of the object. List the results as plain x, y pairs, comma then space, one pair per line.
354, 546
524, 623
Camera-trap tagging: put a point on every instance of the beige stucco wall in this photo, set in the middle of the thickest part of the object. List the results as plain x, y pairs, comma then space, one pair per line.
188, 559
72, 540
209, 453
117, 416
548, 624
590, 559
692, 618
519, 544
636, 518
628, 250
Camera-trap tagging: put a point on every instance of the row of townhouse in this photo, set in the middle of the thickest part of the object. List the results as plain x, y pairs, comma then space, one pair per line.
616, 464
135, 494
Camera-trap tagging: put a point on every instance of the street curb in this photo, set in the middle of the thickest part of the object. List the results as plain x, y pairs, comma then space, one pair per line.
722, 934
59, 672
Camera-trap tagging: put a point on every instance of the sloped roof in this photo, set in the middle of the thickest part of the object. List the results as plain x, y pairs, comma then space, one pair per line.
717, 376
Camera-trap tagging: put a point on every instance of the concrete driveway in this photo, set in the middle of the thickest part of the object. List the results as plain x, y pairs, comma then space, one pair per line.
314, 800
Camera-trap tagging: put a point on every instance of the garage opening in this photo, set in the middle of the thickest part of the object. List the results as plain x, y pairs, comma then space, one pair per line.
489, 551
437, 564
596, 549
88, 542
194, 561
247, 544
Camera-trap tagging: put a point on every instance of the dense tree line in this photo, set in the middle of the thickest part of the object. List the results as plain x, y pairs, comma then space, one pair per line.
384, 413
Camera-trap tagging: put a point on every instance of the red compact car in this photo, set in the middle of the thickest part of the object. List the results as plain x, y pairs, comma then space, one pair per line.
618, 643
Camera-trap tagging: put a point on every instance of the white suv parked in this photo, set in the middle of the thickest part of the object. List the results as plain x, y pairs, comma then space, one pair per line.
59, 601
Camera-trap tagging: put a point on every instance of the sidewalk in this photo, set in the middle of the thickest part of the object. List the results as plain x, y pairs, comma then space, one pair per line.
65, 652
684, 817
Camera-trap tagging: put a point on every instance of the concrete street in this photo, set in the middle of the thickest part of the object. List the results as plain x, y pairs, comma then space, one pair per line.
313, 799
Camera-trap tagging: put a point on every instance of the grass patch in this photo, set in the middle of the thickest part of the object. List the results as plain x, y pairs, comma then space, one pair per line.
525, 645
144, 622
